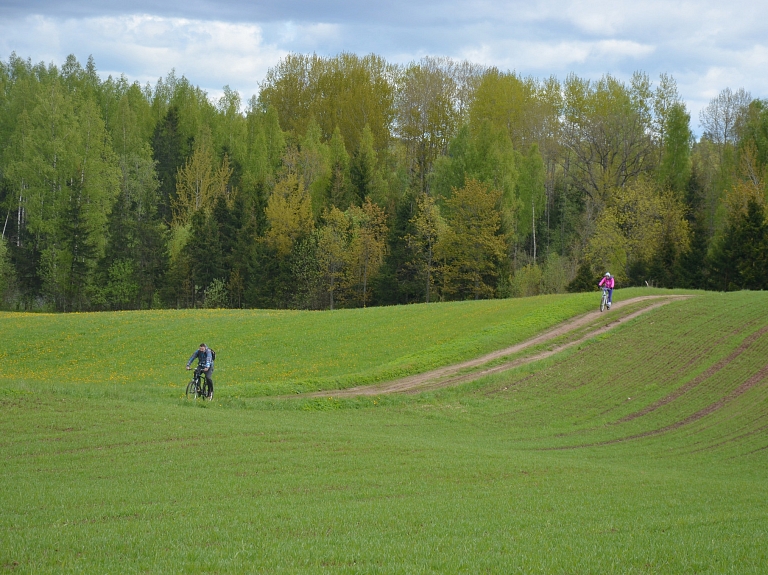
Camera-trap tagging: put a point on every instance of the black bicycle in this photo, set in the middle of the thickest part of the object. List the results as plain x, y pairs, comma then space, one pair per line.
199, 386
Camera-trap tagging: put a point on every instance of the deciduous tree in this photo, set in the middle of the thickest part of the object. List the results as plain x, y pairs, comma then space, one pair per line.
426, 117
332, 246
634, 226
428, 229
200, 181
367, 246
289, 215
471, 246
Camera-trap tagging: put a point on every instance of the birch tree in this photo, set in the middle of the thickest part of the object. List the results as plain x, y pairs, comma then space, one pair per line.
332, 246
429, 228
367, 246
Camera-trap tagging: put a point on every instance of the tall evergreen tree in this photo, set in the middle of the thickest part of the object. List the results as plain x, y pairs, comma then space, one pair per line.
751, 238
135, 232
79, 253
204, 251
168, 151
365, 178
740, 256
398, 281
339, 192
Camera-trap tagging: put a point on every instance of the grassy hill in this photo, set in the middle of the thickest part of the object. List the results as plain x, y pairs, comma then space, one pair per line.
262, 352
643, 450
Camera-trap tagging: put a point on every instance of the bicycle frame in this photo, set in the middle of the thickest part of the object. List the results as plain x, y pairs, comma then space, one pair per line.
196, 387
198, 376
604, 298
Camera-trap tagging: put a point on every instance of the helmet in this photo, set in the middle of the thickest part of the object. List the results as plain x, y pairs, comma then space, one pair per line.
607, 274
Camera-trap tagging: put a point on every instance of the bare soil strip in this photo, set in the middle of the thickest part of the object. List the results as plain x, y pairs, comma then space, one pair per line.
760, 377
698, 380
452, 374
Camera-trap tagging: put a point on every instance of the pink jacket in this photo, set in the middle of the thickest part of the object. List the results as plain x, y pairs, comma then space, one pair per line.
608, 282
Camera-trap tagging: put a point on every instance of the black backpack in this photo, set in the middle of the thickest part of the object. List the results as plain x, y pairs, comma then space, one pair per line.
213, 354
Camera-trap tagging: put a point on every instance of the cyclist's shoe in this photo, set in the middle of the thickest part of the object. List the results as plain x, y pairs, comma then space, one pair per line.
609, 305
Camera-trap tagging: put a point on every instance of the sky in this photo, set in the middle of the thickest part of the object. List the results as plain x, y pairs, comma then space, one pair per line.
705, 45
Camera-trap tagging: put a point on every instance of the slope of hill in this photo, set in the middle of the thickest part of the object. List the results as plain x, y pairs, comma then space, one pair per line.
641, 449
263, 352
688, 376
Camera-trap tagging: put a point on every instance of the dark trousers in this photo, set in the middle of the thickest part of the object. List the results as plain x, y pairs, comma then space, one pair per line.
208, 375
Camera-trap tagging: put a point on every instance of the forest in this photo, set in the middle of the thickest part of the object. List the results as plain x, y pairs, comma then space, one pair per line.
349, 181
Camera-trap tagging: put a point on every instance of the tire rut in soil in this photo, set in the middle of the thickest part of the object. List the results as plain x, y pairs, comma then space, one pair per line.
450, 375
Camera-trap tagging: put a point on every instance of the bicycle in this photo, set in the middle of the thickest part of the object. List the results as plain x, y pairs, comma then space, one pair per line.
199, 386
604, 299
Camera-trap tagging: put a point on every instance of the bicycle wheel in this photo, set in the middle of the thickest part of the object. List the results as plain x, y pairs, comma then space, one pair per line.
207, 392
191, 390
602, 302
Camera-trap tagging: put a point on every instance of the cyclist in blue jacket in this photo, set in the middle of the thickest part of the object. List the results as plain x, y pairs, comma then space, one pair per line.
205, 360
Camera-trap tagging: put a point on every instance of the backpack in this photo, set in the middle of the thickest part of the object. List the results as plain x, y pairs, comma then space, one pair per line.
213, 354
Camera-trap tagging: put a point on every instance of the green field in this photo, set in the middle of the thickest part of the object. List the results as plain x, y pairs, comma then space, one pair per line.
643, 450
262, 352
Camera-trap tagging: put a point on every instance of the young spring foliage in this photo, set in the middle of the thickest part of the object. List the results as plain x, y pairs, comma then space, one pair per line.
111, 192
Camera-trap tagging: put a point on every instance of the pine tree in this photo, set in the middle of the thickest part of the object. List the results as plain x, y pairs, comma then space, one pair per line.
694, 262
168, 151
339, 192
204, 251
740, 256
752, 247
365, 178
398, 281
80, 253
136, 233
585, 279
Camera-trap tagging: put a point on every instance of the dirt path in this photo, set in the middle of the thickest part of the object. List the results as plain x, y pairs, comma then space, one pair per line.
473, 369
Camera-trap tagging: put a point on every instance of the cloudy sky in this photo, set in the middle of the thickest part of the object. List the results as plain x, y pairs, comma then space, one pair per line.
706, 45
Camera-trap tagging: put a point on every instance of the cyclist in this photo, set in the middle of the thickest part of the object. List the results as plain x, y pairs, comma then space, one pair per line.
204, 360
608, 282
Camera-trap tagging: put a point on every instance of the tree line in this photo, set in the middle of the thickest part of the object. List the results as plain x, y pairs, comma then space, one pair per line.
349, 181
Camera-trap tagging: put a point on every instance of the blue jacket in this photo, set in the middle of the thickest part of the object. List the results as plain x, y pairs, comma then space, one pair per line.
203, 358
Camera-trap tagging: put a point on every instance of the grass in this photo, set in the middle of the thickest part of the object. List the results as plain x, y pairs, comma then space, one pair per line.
537, 470
264, 352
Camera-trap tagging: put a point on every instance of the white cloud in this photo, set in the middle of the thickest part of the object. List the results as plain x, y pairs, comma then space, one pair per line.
727, 69
210, 54
558, 57
705, 44
317, 33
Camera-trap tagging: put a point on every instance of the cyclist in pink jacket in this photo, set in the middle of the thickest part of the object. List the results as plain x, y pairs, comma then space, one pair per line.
608, 282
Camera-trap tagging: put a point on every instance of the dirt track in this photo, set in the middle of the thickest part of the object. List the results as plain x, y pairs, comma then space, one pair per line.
473, 369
